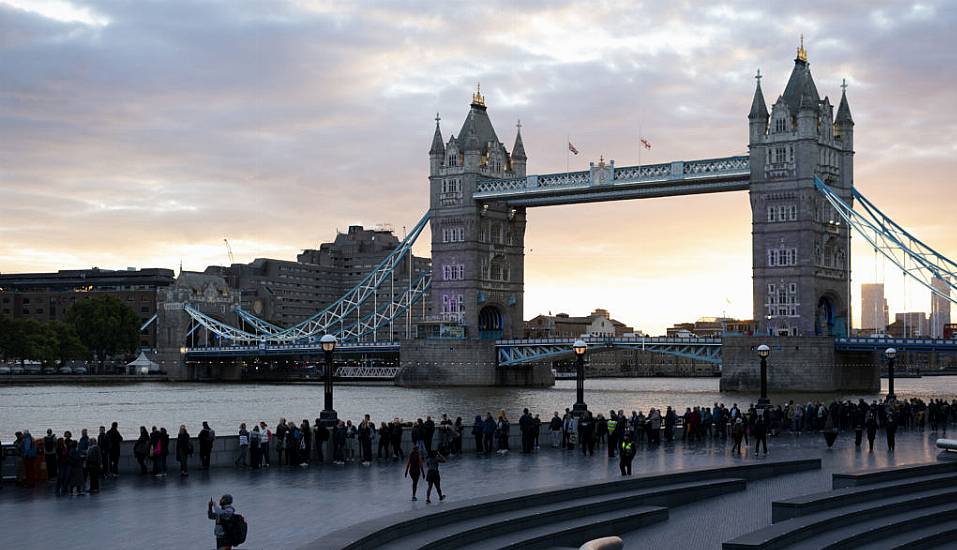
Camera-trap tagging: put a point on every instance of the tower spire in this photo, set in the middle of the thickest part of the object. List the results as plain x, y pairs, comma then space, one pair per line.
438, 146
477, 99
801, 52
518, 151
759, 109
844, 110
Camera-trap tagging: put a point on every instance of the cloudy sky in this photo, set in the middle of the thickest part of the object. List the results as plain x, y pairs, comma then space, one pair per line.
142, 133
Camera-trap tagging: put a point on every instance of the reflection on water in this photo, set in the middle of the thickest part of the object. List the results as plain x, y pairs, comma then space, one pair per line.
63, 407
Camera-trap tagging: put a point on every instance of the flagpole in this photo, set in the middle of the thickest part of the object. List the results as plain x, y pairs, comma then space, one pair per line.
568, 149
639, 149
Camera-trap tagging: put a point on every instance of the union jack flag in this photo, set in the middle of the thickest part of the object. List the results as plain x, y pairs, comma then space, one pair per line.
645, 143
572, 148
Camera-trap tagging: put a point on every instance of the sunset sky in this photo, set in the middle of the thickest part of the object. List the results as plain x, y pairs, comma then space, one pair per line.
143, 133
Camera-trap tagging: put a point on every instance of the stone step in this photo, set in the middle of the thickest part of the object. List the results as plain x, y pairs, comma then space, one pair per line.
782, 510
573, 532
792, 531
876, 530
376, 533
865, 477
482, 526
938, 534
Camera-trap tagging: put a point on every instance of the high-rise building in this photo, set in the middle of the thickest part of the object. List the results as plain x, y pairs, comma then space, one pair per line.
910, 324
939, 308
875, 316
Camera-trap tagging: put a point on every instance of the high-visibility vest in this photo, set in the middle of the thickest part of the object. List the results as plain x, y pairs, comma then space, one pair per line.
612, 424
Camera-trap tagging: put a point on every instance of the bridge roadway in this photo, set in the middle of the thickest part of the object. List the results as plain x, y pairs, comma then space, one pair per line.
607, 183
519, 352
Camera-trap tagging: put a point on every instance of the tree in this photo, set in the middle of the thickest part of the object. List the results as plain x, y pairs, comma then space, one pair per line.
68, 344
106, 326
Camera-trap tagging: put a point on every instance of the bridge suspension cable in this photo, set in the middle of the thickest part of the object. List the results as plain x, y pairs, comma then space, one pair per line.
343, 313
913, 257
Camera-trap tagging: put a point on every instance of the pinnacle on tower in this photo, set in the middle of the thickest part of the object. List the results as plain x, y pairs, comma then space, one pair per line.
438, 147
844, 110
759, 109
518, 151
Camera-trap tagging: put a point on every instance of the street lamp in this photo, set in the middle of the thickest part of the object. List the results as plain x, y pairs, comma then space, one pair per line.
579, 408
763, 352
328, 415
890, 353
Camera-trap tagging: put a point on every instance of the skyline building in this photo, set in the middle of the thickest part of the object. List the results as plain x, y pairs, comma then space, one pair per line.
939, 308
875, 315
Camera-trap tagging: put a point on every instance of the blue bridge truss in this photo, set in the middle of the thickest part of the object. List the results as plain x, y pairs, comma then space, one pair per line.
517, 352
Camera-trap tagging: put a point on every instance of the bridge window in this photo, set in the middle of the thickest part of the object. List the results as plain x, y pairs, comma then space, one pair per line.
780, 125
778, 257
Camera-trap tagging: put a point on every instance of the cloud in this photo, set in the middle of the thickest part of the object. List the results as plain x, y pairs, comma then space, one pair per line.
138, 133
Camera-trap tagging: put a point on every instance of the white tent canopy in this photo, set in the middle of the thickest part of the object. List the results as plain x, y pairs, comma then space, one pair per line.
143, 361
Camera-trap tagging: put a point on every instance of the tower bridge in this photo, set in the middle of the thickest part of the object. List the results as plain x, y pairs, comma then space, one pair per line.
798, 173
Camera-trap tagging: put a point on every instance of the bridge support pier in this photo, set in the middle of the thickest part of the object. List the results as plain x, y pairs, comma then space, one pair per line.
796, 364
463, 363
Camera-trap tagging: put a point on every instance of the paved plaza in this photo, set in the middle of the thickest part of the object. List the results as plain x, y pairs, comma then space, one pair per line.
287, 508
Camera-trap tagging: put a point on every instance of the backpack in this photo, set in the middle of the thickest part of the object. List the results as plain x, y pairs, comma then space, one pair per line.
235, 529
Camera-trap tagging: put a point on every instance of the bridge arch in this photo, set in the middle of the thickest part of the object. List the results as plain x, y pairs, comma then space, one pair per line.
491, 323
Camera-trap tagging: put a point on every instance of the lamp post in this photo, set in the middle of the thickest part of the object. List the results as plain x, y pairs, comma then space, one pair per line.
579, 408
328, 415
890, 353
763, 352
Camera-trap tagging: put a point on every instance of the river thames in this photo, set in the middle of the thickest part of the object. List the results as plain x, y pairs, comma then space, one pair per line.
224, 406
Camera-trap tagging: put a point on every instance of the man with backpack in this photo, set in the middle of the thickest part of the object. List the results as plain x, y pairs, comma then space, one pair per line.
230, 529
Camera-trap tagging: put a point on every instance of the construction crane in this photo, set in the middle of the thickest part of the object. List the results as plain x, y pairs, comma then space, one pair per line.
229, 252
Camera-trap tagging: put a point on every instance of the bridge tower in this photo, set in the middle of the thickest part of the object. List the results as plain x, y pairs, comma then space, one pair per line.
800, 248
477, 247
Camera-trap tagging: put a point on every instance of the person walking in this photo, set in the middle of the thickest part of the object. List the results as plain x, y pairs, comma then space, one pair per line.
432, 476
94, 464
413, 469
141, 449
230, 527
116, 440
206, 438
184, 449
243, 447
870, 422
555, 427
626, 454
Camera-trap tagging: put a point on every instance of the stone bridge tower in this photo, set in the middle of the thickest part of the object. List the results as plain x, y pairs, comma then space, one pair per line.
800, 246
477, 247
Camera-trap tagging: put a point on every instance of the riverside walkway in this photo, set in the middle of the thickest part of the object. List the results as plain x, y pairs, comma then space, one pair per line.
290, 508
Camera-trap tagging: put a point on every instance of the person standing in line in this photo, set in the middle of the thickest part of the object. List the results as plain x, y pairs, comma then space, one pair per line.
184, 449
164, 454
49, 455
82, 445
243, 447
155, 447
428, 432
339, 444
890, 429
601, 430
536, 431
858, 419
321, 437
871, 423
760, 435
141, 449
265, 439
255, 455
502, 430
280, 440
76, 470
413, 469
94, 464
555, 427
416, 434
626, 455
115, 439
458, 430
737, 432
305, 442
586, 434
571, 431
612, 434
365, 441
395, 431
206, 438
525, 427
445, 434
351, 441
63, 465
384, 438
432, 476
488, 432
103, 442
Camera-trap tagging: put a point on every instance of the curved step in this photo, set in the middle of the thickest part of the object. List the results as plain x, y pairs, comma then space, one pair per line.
930, 536
891, 473
864, 532
574, 532
782, 510
453, 536
785, 533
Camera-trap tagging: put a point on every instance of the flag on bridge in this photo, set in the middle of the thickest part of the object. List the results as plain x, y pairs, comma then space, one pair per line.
645, 143
572, 148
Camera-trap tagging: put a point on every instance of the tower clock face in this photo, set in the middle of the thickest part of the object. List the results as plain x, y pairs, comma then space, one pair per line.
258, 307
